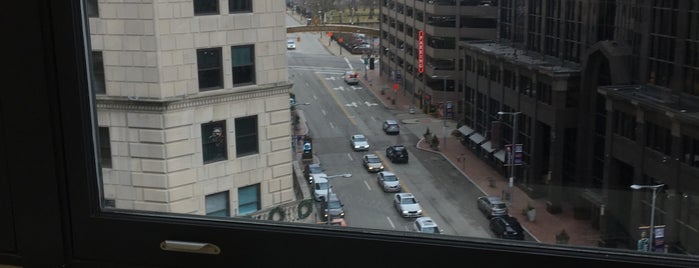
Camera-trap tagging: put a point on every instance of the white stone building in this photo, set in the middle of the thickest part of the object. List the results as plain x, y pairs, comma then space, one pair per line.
192, 104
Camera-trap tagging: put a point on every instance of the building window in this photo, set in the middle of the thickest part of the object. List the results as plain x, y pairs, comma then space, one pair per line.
205, 7
624, 125
217, 205
239, 6
92, 9
105, 148
210, 68
246, 135
98, 85
243, 61
213, 141
658, 138
248, 199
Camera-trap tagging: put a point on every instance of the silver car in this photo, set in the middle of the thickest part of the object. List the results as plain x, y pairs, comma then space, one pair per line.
492, 206
388, 181
359, 142
372, 163
407, 205
426, 225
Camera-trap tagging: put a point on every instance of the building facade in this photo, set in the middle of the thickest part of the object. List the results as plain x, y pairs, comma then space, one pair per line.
606, 93
419, 48
192, 104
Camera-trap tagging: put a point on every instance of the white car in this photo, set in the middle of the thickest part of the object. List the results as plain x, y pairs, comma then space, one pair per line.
407, 205
290, 44
359, 142
351, 78
388, 181
426, 225
321, 187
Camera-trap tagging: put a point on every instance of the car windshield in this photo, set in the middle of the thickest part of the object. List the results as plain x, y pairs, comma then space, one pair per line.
373, 160
390, 178
408, 200
433, 230
334, 204
315, 169
321, 186
359, 138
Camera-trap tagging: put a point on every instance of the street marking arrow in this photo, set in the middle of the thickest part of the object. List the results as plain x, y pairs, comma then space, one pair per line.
330, 78
351, 104
339, 88
355, 88
369, 103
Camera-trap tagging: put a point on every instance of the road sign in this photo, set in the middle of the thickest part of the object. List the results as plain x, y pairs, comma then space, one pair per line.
395, 86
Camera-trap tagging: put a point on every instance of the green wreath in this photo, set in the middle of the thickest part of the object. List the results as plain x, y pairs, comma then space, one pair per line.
306, 204
276, 211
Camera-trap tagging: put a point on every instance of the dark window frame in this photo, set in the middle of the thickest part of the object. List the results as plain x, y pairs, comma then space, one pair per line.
246, 136
205, 7
239, 6
243, 67
214, 147
210, 68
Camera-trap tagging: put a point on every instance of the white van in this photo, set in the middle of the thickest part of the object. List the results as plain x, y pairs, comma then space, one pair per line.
321, 187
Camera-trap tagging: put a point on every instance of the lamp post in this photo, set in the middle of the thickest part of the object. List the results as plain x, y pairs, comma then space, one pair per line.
655, 188
512, 152
444, 105
327, 194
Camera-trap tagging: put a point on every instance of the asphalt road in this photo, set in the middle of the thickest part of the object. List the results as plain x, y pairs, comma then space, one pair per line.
338, 110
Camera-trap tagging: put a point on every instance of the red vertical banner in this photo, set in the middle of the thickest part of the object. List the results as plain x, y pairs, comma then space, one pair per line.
420, 51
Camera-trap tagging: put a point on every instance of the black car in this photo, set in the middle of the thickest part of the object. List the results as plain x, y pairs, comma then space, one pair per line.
506, 227
309, 169
397, 154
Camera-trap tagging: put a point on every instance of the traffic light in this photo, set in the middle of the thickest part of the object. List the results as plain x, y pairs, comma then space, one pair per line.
371, 63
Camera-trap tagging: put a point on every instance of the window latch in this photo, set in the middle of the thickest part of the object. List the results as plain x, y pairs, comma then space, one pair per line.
191, 247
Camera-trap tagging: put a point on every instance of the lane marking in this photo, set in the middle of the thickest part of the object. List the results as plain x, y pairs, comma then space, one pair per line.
391, 223
332, 94
367, 185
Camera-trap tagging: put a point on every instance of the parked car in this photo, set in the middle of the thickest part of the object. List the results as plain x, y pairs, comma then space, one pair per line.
388, 181
492, 206
426, 225
333, 206
359, 142
372, 163
309, 169
506, 227
351, 78
407, 205
391, 127
397, 154
321, 188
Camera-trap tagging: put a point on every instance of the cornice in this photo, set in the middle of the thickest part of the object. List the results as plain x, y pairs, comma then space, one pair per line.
188, 101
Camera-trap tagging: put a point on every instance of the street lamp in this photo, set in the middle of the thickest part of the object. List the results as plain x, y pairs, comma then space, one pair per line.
444, 105
512, 152
655, 188
327, 194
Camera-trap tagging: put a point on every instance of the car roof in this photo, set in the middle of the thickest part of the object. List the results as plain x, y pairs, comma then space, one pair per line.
391, 121
397, 147
358, 136
387, 173
494, 199
320, 177
405, 195
426, 222
371, 156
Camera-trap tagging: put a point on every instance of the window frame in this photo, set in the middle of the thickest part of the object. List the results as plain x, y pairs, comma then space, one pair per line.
205, 12
242, 147
246, 7
249, 67
65, 227
218, 69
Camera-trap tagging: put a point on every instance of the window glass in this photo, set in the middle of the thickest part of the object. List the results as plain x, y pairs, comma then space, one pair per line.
246, 135
205, 7
242, 58
217, 204
214, 141
237, 6
248, 199
210, 69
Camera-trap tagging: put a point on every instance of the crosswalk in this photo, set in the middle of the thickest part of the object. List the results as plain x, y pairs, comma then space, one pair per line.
332, 75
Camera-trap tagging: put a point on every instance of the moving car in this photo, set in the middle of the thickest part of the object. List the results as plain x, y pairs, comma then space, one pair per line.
492, 206
321, 188
388, 181
391, 127
407, 205
310, 169
290, 44
397, 154
336, 208
351, 78
372, 163
426, 225
359, 142
506, 227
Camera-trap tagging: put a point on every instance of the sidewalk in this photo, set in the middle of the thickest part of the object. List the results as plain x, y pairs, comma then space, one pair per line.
545, 226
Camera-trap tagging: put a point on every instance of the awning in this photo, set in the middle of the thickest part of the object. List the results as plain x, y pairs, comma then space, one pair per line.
487, 147
477, 138
465, 130
500, 155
